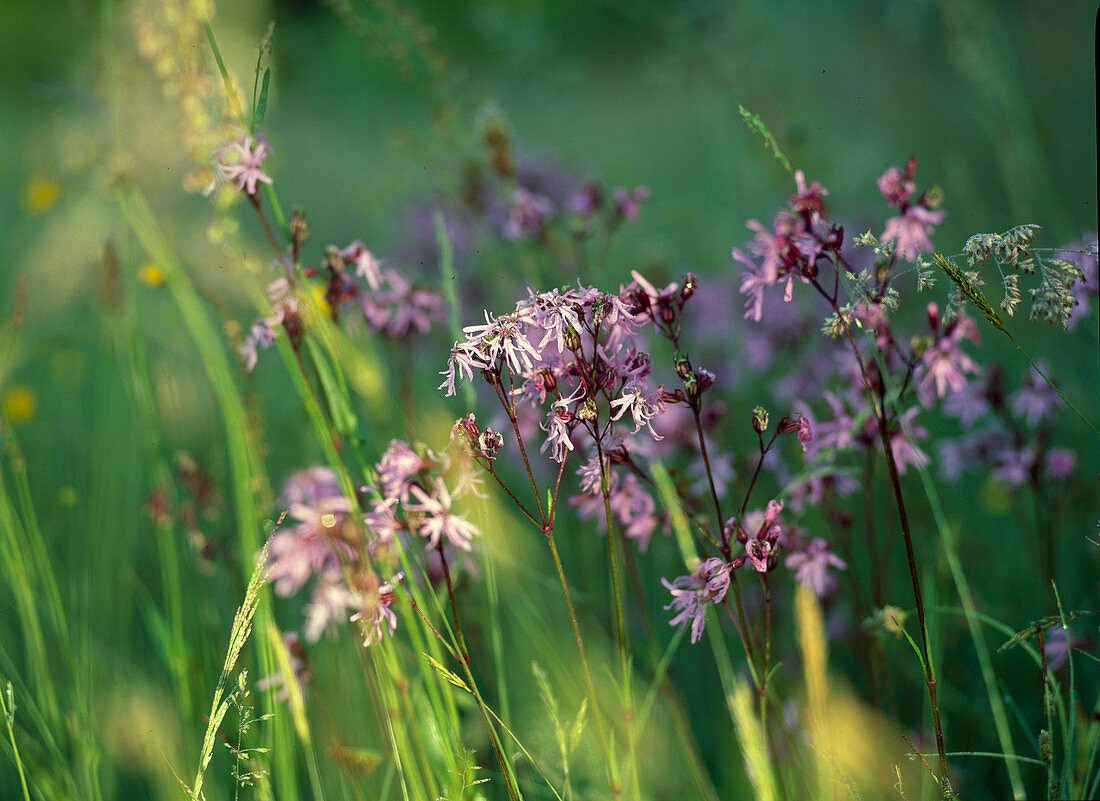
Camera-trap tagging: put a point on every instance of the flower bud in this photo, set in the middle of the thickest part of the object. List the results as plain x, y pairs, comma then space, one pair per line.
683, 366
599, 311
691, 283
588, 410
919, 345
299, 228
571, 338
334, 262
759, 419
668, 314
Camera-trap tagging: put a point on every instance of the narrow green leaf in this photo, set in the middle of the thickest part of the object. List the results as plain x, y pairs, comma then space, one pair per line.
259, 111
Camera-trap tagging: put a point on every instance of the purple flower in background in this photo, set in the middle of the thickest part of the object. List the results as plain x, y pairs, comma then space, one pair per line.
1035, 401
587, 200
690, 594
1014, 465
811, 566
397, 308
1090, 285
240, 160
527, 215
629, 204
969, 403
1061, 462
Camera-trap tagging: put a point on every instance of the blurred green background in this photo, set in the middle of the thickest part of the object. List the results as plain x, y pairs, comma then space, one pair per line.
373, 108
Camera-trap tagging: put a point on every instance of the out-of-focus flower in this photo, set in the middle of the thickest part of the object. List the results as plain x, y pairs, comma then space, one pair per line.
944, 365
313, 547
239, 162
437, 521
911, 232
376, 614
299, 665
690, 594
811, 566
20, 403
1061, 462
527, 215
1035, 402
629, 204
367, 265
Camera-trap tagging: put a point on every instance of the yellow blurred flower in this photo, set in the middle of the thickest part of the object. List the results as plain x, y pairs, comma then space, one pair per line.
40, 194
20, 403
318, 292
150, 274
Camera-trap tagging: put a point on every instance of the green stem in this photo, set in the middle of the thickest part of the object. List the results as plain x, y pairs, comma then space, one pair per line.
504, 767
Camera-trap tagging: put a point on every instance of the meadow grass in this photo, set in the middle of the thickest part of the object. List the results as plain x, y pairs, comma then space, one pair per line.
143, 474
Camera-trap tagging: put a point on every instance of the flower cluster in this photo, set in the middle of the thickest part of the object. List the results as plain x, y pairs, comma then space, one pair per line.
789, 250
575, 346
338, 547
1009, 431
910, 231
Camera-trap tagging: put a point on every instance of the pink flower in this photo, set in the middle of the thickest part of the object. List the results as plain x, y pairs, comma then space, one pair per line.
380, 617
367, 265
438, 520
313, 547
527, 215
944, 365
690, 594
903, 442
808, 198
1061, 462
641, 408
811, 566
911, 231
629, 204
897, 187
240, 161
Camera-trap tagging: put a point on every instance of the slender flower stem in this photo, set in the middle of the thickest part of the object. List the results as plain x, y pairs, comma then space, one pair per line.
255, 201
504, 768
620, 623
519, 504
719, 519
616, 585
510, 410
593, 698
878, 405
741, 624
763, 691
